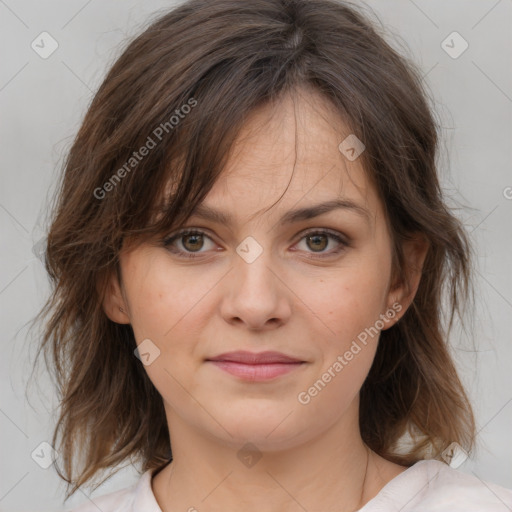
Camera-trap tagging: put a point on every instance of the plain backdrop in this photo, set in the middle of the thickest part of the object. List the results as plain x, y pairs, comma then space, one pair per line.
44, 99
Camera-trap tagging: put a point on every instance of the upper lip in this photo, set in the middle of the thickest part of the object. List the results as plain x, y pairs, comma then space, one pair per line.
267, 357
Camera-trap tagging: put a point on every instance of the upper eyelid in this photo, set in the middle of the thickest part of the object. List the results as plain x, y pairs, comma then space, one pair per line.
204, 231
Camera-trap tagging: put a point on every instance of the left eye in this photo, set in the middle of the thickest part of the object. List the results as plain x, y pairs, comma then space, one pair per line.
192, 241
319, 240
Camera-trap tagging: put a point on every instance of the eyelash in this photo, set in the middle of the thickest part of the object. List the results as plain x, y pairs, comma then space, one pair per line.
167, 242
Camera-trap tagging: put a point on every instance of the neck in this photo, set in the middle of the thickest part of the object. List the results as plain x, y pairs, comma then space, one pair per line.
334, 471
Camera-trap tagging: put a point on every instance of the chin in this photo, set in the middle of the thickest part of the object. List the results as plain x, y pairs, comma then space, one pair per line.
268, 428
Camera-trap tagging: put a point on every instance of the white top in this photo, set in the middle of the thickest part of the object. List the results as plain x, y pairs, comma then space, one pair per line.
426, 486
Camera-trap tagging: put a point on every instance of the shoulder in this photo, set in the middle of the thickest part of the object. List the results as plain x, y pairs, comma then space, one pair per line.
433, 486
138, 496
454, 490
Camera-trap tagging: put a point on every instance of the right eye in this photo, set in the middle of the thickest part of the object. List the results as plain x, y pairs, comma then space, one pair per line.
189, 239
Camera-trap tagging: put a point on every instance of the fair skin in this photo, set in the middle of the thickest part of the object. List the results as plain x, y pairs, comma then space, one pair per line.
299, 297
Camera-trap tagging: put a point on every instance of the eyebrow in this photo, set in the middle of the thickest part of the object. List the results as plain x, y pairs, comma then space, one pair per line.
205, 212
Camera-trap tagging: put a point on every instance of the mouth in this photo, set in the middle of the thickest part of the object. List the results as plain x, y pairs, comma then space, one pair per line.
253, 367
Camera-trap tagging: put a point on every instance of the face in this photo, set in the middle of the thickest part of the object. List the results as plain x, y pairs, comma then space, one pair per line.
308, 288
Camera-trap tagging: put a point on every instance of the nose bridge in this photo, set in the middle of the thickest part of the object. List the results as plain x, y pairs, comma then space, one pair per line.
253, 267
255, 294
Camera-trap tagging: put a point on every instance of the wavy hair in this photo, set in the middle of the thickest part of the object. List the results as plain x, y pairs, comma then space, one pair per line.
182, 89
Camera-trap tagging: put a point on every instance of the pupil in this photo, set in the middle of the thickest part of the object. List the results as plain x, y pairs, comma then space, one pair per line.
316, 237
188, 237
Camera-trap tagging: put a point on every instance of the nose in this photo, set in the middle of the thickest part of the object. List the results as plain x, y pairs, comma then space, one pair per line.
256, 294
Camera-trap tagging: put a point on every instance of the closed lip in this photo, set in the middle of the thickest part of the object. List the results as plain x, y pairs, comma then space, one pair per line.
254, 358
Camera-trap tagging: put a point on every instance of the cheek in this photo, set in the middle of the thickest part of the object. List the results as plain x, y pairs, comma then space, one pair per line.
352, 304
164, 299
166, 308
350, 300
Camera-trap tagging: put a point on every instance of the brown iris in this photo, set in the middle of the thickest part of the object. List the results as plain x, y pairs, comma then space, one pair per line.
316, 239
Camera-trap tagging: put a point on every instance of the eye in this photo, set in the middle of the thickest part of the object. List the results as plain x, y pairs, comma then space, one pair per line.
318, 240
193, 240
190, 239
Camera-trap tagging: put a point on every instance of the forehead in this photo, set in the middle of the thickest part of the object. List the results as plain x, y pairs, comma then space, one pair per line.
291, 149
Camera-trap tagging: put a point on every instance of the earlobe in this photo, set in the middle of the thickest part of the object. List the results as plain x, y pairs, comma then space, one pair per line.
113, 301
415, 250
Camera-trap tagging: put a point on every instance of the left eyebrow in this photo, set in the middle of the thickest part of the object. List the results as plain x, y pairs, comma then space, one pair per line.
208, 213
311, 212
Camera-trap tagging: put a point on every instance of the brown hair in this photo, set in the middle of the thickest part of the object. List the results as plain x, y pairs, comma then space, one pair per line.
183, 89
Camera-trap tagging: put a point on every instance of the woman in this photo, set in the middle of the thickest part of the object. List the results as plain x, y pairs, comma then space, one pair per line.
250, 254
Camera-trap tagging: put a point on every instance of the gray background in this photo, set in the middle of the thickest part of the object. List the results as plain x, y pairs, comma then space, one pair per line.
43, 100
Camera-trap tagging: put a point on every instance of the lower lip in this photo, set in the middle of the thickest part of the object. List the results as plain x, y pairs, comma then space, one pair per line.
256, 372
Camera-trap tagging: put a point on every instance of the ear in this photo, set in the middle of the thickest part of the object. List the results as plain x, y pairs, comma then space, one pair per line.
113, 302
403, 288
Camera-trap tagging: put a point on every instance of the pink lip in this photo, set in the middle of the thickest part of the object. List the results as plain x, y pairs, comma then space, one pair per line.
256, 366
